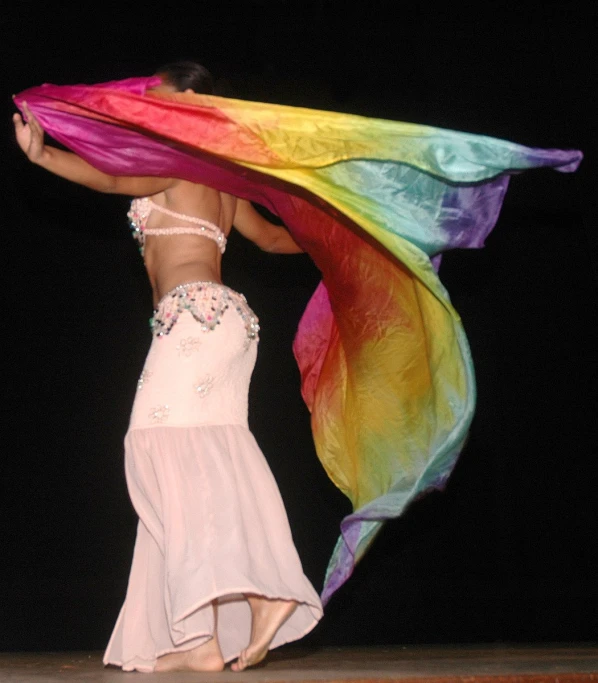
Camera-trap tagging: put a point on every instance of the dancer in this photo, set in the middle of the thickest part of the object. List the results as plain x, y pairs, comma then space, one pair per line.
215, 575
385, 365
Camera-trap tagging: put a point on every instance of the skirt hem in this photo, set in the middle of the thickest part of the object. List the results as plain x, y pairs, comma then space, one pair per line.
147, 665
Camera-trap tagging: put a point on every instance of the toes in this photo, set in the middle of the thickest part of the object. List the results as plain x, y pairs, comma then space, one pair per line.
240, 664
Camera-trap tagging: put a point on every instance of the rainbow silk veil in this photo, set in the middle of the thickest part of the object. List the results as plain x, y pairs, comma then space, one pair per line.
385, 365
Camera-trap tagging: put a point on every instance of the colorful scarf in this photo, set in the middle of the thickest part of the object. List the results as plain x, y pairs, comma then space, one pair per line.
385, 365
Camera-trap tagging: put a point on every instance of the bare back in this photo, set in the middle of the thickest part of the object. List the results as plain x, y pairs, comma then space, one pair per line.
176, 259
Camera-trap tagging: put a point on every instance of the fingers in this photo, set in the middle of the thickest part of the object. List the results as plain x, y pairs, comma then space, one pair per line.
20, 126
28, 113
29, 116
31, 119
18, 120
34, 125
29, 133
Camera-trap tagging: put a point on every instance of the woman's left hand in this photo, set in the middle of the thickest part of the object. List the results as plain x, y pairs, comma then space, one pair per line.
30, 135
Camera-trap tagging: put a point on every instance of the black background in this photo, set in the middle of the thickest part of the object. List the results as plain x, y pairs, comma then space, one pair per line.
508, 551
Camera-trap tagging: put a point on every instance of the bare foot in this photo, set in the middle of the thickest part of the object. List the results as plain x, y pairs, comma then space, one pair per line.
206, 657
267, 616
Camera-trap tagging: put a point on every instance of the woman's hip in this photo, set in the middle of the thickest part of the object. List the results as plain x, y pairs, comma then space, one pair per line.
200, 362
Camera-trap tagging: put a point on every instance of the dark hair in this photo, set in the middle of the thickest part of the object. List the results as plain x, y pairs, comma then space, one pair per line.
183, 75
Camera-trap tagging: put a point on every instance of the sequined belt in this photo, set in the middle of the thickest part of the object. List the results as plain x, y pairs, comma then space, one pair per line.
206, 302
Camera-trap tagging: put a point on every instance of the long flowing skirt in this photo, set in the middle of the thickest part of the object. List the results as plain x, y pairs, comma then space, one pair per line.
212, 525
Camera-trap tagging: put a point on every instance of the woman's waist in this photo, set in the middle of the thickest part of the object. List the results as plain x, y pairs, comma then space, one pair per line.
164, 277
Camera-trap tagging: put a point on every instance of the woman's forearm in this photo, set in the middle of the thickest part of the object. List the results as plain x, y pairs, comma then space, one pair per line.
77, 170
283, 243
74, 168
30, 138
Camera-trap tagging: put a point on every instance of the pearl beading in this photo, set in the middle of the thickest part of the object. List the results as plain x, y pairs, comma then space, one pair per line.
141, 207
207, 302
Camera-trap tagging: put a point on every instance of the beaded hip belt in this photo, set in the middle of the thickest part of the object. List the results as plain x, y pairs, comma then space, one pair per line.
206, 302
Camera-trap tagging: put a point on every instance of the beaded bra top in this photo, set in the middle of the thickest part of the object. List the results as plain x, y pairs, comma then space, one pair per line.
141, 207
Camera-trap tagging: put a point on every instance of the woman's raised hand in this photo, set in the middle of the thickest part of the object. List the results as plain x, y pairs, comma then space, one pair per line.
30, 135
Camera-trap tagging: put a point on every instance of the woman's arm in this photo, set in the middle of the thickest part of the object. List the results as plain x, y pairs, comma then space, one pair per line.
30, 137
269, 237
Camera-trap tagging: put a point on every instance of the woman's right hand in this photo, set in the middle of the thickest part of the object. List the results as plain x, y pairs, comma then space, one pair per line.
30, 135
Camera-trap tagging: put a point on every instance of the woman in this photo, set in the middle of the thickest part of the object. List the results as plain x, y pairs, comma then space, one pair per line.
215, 574
385, 365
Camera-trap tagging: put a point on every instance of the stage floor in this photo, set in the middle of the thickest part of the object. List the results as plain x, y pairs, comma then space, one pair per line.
408, 664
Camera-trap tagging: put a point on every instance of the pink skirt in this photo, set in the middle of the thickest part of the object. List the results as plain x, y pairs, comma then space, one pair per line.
212, 524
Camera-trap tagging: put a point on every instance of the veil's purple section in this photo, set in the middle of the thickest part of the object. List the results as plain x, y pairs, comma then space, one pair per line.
469, 213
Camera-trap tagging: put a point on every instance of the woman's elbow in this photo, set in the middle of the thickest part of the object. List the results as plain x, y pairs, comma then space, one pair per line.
109, 185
